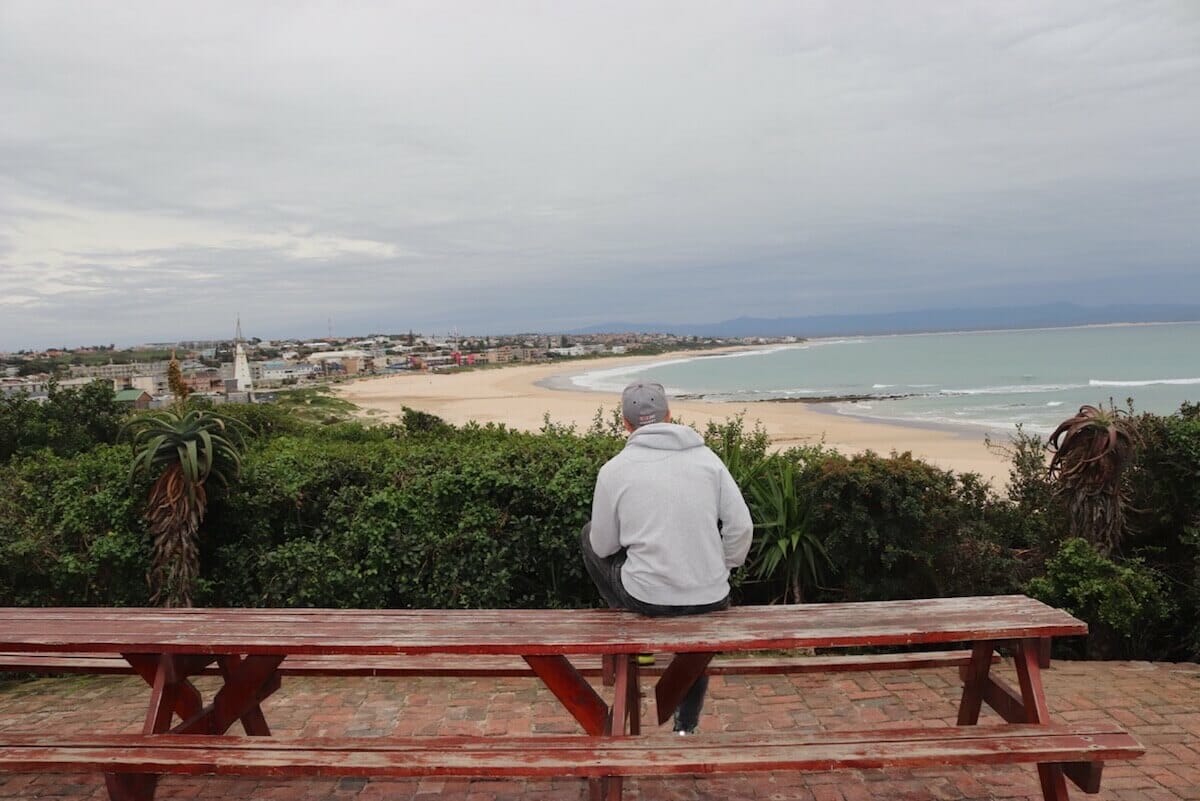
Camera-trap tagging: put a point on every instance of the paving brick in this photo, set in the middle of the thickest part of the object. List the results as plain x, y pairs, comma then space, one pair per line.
1158, 703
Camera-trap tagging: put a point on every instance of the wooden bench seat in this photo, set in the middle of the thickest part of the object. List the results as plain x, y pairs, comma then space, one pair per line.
571, 755
497, 666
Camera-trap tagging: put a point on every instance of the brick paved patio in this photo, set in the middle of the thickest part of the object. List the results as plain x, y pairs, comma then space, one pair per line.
1158, 703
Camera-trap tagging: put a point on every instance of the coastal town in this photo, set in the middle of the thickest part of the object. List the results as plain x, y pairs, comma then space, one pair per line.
241, 370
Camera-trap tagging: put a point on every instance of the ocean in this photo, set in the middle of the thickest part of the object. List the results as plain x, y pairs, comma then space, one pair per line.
991, 380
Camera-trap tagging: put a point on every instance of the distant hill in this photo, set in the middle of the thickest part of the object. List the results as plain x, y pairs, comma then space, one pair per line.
1051, 315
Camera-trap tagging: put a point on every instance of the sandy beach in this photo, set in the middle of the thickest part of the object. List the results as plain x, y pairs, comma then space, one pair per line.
514, 396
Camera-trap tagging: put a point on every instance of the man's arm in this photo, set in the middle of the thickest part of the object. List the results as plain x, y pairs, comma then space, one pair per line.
737, 529
606, 529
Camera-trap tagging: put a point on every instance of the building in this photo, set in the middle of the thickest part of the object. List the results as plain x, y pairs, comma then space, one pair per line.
111, 371
154, 384
499, 355
351, 362
282, 371
241, 365
137, 398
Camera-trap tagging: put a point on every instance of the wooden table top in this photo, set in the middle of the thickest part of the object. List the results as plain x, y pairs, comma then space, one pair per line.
526, 631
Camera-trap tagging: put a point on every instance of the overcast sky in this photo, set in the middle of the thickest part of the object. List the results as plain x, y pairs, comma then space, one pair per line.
507, 166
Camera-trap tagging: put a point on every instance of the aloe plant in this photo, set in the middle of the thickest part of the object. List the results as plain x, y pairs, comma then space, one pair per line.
1091, 451
181, 451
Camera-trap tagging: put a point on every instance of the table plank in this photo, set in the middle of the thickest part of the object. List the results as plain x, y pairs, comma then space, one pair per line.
528, 631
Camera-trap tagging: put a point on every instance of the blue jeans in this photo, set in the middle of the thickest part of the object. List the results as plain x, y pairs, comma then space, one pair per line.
606, 575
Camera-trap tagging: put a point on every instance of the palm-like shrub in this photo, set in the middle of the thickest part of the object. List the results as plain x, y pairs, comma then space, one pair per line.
786, 545
1091, 451
181, 451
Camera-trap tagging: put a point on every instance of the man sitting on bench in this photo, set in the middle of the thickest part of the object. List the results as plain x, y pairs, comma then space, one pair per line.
668, 523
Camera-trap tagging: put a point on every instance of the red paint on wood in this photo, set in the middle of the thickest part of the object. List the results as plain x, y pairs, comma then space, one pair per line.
187, 698
130, 786
528, 631
635, 698
468, 665
975, 676
1004, 700
572, 691
163, 695
244, 687
1029, 674
253, 722
577, 755
1033, 697
619, 715
676, 680
1085, 775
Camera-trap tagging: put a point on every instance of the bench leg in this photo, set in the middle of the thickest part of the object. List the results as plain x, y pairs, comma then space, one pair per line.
608, 669
624, 711
1033, 697
254, 722
170, 693
975, 676
635, 698
677, 679
572, 691
187, 698
131, 786
247, 682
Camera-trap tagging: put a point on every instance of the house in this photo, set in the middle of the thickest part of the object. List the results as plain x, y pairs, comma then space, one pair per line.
351, 362
137, 398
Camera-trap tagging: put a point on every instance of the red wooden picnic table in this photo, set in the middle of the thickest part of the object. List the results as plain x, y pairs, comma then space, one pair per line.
167, 647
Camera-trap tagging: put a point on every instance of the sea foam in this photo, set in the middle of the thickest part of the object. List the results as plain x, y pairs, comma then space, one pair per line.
1096, 382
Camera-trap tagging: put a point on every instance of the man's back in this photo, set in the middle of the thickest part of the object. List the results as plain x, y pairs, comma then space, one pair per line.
660, 499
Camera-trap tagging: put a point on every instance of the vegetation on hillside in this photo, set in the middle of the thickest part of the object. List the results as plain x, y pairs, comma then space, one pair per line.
332, 512
62, 364
315, 404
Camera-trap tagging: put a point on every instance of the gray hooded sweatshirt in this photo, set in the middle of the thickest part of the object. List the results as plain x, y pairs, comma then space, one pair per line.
660, 498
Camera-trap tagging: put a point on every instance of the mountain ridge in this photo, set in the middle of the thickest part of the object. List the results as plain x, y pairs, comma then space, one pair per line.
1048, 315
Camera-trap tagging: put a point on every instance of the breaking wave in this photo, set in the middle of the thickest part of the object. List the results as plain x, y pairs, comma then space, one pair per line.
1096, 382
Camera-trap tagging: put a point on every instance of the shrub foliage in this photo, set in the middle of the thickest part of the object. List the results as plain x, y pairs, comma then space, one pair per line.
425, 514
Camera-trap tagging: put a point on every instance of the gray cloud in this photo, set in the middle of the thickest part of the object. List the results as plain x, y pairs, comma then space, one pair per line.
530, 165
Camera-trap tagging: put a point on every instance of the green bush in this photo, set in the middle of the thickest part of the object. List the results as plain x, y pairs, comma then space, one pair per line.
1123, 603
1164, 519
900, 528
263, 419
68, 422
426, 514
471, 517
1035, 517
70, 532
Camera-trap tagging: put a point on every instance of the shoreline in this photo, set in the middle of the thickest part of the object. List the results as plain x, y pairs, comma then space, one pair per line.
561, 382
524, 396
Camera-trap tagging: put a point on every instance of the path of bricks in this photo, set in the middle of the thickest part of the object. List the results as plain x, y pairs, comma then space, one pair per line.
1158, 703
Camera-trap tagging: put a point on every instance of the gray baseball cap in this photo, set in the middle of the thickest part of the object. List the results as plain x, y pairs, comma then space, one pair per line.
643, 403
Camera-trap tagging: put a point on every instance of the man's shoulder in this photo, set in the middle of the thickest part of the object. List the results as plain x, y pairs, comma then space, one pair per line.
613, 463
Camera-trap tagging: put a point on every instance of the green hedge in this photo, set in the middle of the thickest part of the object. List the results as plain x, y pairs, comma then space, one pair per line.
458, 518
430, 515
69, 531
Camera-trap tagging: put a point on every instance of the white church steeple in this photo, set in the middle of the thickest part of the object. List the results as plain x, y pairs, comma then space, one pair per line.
241, 365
